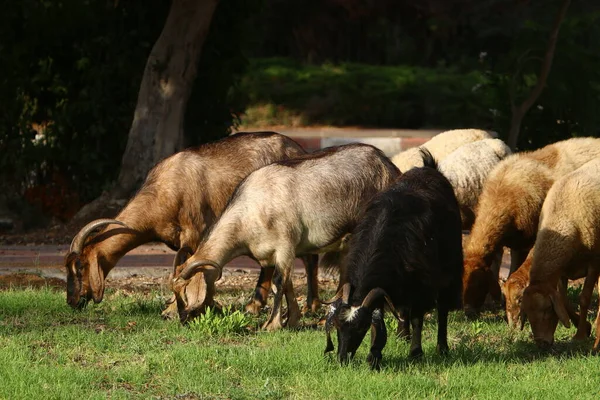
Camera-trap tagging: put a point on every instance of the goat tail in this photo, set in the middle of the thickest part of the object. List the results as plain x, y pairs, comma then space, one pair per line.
428, 160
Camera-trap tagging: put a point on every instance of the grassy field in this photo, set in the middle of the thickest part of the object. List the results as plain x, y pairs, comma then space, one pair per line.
121, 348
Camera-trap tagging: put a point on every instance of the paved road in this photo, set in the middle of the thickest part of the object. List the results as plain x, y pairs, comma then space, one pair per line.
149, 259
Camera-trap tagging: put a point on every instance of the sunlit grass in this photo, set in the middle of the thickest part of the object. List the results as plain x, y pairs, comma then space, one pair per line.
121, 348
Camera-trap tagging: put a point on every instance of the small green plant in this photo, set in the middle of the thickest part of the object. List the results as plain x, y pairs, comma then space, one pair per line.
227, 321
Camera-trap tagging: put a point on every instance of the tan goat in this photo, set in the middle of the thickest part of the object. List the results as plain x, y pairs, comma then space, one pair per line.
306, 205
567, 245
513, 290
439, 146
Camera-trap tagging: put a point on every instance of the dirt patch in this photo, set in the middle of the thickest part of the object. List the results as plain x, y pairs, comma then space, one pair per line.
234, 280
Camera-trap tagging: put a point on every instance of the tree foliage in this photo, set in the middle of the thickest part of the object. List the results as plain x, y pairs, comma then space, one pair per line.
70, 72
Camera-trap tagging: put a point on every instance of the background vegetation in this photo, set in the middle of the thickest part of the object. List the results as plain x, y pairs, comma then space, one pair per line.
70, 73
121, 348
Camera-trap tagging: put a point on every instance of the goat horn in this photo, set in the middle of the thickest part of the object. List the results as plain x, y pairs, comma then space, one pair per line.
344, 294
199, 265
79, 239
376, 294
182, 255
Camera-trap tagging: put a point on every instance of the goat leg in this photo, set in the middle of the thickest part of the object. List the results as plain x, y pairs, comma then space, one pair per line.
378, 339
442, 334
292, 304
403, 331
573, 315
261, 292
311, 263
584, 303
416, 321
274, 321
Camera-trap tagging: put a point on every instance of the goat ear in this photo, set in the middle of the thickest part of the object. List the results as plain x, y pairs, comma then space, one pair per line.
96, 278
559, 308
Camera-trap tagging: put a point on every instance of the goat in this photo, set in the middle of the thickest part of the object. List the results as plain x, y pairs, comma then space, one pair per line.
513, 290
439, 146
305, 205
567, 246
406, 251
509, 208
181, 198
467, 169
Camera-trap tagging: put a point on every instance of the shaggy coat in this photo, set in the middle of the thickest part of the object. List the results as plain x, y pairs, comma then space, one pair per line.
467, 169
301, 206
407, 250
567, 245
182, 196
509, 209
439, 146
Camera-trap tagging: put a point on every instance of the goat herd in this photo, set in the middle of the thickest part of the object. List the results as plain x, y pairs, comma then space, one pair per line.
395, 236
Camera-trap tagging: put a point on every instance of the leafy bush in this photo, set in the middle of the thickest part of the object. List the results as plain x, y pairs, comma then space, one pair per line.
215, 323
367, 95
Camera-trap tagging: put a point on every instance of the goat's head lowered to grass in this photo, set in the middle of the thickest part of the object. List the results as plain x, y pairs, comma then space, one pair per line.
353, 322
193, 284
543, 307
85, 265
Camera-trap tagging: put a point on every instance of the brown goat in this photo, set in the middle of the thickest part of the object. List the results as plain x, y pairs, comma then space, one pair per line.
509, 209
181, 198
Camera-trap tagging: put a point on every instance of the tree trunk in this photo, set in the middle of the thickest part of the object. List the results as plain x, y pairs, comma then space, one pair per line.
518, 113
157, 128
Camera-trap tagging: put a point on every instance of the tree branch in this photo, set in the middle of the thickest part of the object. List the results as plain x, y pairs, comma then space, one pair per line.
547, 63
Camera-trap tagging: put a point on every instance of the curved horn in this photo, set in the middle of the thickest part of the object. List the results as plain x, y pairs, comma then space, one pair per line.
79, 239
199, 265
343, 294
182, 254
376, 294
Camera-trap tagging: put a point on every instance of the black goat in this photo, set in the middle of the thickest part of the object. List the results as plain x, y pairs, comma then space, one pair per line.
406, 250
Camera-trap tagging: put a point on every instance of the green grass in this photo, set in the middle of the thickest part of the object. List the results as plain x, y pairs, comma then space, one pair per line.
121, 348
284, 92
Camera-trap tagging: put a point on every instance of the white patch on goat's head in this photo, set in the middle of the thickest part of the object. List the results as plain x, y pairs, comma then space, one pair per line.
350, 314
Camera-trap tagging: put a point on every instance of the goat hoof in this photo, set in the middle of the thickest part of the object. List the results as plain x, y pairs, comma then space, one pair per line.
416, 354
374, 361
443, 349
272, 326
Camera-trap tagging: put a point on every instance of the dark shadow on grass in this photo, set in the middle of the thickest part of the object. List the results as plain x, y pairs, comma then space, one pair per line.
520, 352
